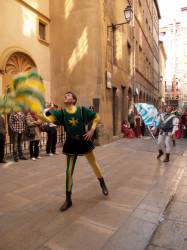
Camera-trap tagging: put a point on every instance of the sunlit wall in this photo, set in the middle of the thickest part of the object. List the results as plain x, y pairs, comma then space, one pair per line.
19, 30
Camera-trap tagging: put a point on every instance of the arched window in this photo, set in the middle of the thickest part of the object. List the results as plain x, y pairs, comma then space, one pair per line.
19, 62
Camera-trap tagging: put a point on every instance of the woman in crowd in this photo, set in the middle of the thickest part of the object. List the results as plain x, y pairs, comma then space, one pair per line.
34, 135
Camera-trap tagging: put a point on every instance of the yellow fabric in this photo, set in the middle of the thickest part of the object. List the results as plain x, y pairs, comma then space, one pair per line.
95, 166
70, 174
95, 121
71, 109
45, 118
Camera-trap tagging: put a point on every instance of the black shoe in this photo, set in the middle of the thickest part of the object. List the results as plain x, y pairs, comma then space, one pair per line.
16, 159
174, 143
103, 186
68, 202
3, 161
160, 153
167, 158
23, 158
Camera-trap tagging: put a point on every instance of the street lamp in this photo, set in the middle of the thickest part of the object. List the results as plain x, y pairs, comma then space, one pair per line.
128, 14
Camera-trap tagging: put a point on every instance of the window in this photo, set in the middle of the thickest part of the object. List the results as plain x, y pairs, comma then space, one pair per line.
42, 30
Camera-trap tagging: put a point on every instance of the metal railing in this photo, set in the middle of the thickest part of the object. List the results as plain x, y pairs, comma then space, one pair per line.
61, 135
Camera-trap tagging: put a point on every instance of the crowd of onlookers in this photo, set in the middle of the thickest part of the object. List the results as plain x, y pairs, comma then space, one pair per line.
27, 125
135, 126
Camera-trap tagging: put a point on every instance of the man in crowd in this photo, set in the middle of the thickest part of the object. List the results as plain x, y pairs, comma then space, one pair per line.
51, 130
17, 123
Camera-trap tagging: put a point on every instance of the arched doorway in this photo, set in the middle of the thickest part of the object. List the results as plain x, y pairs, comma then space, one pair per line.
144, 98
147, 98
17, 62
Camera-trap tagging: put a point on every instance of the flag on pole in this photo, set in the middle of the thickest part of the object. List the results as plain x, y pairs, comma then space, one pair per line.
149, 114
25, 91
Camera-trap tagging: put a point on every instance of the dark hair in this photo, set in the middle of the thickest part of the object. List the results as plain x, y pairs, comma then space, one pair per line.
74, 96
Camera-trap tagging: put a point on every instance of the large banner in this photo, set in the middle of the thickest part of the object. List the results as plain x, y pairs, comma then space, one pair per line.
25, 91
148, 113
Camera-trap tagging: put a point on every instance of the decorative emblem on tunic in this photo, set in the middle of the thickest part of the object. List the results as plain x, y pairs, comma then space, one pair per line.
73, 122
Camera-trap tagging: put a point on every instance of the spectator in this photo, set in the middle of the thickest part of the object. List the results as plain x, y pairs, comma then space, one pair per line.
17, 123
131, 119
138, 124
34, 122
2, 139
51, 130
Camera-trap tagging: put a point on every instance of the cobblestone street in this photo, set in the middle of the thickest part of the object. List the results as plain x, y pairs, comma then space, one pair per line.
140, 189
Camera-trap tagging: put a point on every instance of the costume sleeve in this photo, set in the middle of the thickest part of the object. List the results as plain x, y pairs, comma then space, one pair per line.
175, 125
95, 121
55, 116
91, 116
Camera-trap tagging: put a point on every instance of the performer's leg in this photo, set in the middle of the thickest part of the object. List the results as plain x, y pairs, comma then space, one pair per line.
160, 146
92, 160
168, 147
71, 160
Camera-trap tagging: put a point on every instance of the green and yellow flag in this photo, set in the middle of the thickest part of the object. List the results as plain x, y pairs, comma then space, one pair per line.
24, 92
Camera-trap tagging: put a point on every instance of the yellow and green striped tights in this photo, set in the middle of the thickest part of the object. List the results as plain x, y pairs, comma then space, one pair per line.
71, 160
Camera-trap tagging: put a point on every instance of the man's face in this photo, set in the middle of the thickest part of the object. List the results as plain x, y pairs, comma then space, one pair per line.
169, 109
68, 99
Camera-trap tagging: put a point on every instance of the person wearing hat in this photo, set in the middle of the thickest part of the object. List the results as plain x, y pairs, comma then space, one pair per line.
78, 141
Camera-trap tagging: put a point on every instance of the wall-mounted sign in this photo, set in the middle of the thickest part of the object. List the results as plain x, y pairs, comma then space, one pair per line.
108, 80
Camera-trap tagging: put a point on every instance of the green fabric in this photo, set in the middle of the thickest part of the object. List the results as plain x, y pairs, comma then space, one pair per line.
73, 123
70, 160
58, 115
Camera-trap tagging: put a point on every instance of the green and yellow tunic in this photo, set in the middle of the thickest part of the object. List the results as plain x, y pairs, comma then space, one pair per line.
74, 120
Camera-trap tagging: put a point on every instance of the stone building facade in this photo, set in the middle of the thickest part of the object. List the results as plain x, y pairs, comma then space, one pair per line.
24, 32
146, 43
78, 45
107, 66
162, 66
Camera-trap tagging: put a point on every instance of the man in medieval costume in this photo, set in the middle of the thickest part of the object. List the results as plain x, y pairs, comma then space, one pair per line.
78, 140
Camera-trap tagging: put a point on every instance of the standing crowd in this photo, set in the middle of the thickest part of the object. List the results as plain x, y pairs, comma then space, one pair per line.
27, 126
172, 125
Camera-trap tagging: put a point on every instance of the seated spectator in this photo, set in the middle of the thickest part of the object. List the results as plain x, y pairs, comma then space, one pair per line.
127, 132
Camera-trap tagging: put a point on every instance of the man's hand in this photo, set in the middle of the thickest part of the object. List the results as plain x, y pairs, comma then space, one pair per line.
88, 135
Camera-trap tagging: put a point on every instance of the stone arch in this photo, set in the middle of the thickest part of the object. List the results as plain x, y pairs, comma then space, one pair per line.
14, 61
144, 97
6, 54
147, 98
19, 62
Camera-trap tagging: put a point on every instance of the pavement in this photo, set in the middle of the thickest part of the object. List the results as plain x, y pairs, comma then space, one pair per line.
172, 230
145, 208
